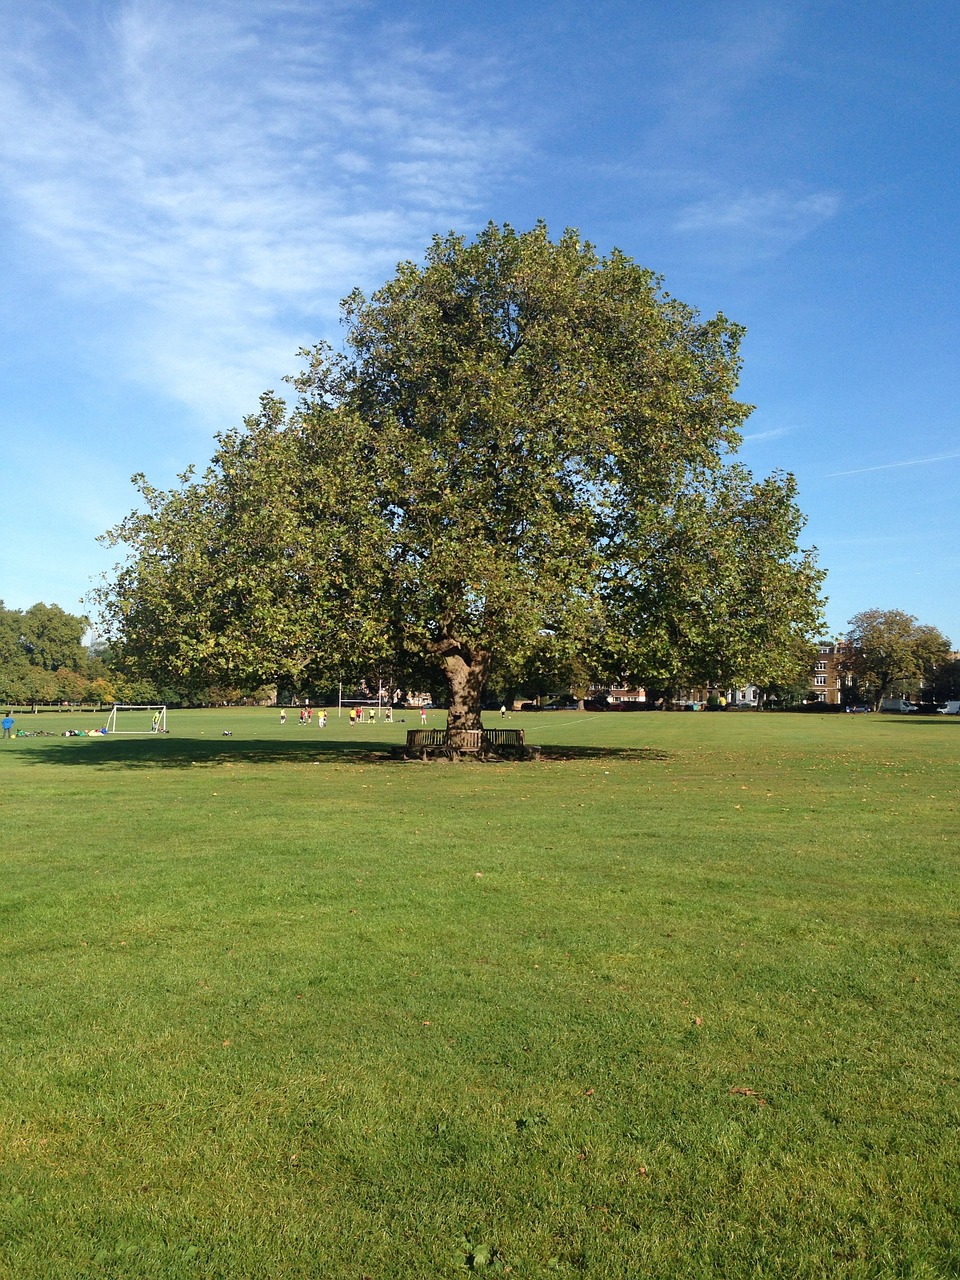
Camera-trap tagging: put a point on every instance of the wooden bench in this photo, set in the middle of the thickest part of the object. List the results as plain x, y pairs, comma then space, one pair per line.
500, 739
424, 743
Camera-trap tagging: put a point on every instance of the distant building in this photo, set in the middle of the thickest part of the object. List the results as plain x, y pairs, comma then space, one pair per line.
746, 697
828, 680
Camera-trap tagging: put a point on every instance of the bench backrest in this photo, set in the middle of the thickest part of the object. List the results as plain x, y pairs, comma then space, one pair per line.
467, 739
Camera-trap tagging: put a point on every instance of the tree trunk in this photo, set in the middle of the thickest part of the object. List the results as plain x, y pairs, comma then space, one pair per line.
465, 671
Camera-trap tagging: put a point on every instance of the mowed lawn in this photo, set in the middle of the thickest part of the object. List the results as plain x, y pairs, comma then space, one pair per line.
678, 1000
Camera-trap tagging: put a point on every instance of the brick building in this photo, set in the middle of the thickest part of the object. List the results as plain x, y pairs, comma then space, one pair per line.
828, 679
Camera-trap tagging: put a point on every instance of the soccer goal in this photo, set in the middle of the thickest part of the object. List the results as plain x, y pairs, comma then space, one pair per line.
131, 718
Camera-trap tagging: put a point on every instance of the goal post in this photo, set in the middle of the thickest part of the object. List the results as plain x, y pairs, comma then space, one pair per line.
139, 718
381, 707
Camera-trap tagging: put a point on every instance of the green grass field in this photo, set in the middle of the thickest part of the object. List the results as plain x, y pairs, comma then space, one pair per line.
679, 1000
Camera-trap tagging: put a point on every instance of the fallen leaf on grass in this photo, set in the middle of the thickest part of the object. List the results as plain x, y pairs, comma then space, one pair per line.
747, 1093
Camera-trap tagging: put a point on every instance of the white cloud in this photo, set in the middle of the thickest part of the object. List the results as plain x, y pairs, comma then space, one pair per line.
767, 221
774, 433
708, 75
228, 171
717, 169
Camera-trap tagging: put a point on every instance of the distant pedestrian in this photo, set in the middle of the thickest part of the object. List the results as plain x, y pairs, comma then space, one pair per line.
283, 717
303, 716
423, 715
322, 719
7, 724
503, 710
156, 722
309, 714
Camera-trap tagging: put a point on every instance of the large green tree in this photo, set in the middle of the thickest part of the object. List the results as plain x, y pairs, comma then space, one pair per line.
890, 652
53, 638
522, 455
42, 658
946, 681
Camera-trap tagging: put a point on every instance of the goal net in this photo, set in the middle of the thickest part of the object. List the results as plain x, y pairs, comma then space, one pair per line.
131, 718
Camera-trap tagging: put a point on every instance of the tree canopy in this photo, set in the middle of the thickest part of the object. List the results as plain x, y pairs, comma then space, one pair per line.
523, 455
42, 658
888, 649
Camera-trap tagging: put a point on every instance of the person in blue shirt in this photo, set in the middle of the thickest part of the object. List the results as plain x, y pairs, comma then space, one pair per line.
7, 725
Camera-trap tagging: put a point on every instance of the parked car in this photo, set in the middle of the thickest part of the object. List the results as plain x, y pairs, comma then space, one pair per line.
897, 705
949, 709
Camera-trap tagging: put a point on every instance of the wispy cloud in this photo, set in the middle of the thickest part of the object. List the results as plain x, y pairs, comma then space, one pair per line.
702, 78
230, 170
709, 99
769, 221
774, 433
893, 466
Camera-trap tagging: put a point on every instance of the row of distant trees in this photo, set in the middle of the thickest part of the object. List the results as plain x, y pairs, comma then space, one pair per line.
44, 659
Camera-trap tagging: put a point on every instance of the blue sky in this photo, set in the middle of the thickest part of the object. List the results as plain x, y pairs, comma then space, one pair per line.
187, 188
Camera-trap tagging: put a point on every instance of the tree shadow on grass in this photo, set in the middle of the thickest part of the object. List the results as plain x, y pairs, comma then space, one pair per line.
603, 753
919, 722
168, 752
162, 752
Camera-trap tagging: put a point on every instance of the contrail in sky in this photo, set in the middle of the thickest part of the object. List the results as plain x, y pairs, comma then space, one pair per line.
890, 466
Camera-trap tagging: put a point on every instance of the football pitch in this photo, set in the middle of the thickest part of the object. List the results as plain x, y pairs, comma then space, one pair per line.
677, 1000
